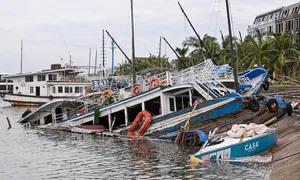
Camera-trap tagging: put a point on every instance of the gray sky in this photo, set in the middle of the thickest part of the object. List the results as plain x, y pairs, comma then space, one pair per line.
53, 29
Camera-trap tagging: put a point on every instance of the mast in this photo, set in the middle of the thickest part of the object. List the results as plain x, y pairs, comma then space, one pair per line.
233, 62
70, 61
133, 48
90, 62
21, 69
175, 52
159, 52
95, 69
103, 53
201, 42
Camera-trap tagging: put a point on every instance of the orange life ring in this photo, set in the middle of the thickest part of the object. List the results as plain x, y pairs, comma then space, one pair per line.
78, 79
136, 90
156, 80
198, 101
63, 78
139, 117
88, 90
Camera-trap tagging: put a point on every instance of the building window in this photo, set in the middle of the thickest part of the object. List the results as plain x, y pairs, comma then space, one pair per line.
41, 77
60, 89
67, 89
28, 78
76, 89
31, 89
53, 90
52, 77
71, 89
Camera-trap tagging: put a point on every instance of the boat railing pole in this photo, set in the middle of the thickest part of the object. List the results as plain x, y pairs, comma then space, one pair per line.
133, 46
233, 62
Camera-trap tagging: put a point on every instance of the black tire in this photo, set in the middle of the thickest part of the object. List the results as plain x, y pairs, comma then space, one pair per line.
289, 109
270, 103
51, 97
266, 85
254, 105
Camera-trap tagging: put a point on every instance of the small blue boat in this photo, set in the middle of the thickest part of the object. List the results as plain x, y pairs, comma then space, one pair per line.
231, 148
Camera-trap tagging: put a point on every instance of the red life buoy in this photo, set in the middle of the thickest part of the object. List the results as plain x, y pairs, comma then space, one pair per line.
198, 101
157, 82
136, 90
139, 117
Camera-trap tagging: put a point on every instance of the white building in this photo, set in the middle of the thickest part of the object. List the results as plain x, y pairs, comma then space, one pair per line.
265, 23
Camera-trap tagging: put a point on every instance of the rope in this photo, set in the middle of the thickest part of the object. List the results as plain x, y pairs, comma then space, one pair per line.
284, 157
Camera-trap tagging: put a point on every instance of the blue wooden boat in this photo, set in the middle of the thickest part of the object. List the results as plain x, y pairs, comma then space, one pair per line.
231, 148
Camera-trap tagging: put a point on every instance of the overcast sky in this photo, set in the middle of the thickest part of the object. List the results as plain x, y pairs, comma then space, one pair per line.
53, 29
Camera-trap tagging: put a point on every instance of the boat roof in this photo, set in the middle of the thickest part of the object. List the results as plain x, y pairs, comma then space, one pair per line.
68, 70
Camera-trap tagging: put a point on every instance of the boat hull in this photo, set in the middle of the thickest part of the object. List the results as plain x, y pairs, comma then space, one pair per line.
247, 147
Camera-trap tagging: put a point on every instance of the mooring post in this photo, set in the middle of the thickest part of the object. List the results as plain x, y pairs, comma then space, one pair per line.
8, 122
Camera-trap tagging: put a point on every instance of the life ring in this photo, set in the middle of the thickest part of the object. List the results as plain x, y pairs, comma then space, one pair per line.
51, 97
88, 90
266, 85
139, 117
289, 109
77, 79
136, 90
272, 105
253, 105
157, 82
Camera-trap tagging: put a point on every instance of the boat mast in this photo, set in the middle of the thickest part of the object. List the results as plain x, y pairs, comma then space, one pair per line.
95, 69
21, 70
233, 62
103, 52
133, 48
175, 52
201, 42
90, 62
159, 53
112, 57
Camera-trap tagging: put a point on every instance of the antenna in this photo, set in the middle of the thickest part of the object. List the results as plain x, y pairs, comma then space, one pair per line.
159, 52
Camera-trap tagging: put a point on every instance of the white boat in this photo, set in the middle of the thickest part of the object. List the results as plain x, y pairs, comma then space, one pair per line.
5, 85
44, 86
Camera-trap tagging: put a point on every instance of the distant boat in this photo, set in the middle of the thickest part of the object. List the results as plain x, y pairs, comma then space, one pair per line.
41, 87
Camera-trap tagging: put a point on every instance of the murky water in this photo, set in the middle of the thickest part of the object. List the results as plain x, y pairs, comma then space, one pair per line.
40, 154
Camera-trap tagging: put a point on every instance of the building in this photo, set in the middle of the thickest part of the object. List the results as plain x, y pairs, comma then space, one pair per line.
265, 23
289, 21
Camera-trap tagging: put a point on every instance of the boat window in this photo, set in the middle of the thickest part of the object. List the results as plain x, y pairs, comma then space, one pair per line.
41, 77
171, 102
81, 89
28, 78
153, 106
133, 111
76, 89
60, 89
71, 89
179, 103
52, 77
67, 89
117, 119
185, 102
31, 89
53, 90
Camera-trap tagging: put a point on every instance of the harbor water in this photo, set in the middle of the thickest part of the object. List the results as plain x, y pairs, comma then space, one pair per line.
47, 154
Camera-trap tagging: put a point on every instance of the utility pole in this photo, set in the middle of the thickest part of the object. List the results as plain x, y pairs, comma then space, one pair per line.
21, 70
133, 47
159, 53
95, 69
90, 62
233, 62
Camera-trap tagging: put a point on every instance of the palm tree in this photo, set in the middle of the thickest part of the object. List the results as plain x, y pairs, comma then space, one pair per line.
283, 51
257, 51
